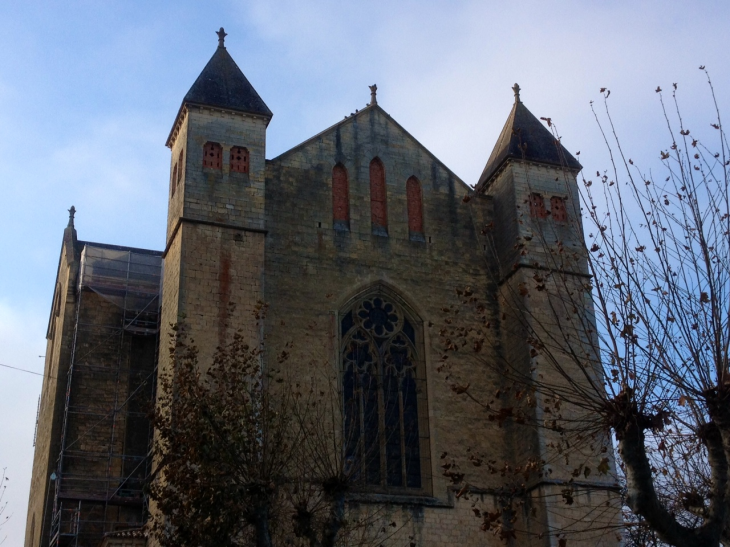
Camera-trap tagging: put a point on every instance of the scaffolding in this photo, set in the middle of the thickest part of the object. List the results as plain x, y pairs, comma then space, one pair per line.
106, 433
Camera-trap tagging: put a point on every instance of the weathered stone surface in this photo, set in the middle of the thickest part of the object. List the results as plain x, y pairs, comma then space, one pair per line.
282, 234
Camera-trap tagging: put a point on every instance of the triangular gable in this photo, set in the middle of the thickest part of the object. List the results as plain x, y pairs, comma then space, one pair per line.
350, 119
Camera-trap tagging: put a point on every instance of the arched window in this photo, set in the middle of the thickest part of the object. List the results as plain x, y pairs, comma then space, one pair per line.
213, 155
173, 180
383, 388
414, 196
340, 198
558, 210
537, 206
180, 163
239, 159
378, 200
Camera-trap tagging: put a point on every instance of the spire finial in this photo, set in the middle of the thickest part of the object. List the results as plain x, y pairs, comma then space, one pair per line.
373, 94
516, 89
221, 37
71, 213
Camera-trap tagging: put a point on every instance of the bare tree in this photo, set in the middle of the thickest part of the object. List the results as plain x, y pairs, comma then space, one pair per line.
3, 502
635, 339
247, 455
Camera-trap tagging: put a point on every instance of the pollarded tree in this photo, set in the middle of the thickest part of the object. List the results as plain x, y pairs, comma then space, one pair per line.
639, 349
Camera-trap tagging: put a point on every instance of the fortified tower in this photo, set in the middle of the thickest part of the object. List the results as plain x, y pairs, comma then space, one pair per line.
214, 256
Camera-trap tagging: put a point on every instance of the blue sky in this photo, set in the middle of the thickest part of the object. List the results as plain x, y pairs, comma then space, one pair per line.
89, 90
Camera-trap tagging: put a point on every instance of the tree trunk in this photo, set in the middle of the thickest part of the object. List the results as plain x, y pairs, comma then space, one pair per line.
643, 500
263, 533
334, 521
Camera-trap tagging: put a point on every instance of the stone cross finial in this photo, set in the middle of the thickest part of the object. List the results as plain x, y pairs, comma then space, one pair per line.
373, 94
71, 213
221, 37
516, 89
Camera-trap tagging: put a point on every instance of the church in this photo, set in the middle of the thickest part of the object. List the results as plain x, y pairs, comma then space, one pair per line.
356, 240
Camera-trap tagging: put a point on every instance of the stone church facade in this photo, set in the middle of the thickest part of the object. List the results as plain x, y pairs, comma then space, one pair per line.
356, 240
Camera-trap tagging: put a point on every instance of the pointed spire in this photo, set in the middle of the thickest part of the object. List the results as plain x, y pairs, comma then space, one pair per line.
71, 214
523, 137
222, 84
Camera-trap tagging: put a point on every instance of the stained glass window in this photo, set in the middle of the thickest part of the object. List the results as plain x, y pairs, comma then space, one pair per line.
381, 394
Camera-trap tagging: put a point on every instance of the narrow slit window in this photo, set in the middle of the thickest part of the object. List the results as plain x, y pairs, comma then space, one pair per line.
414, 196
537, 206
213, 155
180, 163
340, 197
239, 159
378, 200
558, 210
173, 181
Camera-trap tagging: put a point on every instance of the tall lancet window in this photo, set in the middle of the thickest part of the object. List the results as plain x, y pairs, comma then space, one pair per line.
386, 437
414, 197
378, 198
340, 198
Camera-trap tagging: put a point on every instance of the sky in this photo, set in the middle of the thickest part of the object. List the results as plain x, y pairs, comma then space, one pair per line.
89, 91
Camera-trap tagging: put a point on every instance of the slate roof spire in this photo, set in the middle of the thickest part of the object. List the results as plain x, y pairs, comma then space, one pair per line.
222, 84
524, 137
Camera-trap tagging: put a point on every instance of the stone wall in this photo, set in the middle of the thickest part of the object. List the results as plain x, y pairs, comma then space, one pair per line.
313, 269
58, 352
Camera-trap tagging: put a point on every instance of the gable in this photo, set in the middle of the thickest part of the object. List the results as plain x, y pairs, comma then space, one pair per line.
369, 133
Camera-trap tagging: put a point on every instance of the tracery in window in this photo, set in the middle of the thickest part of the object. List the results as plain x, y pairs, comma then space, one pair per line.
414, 197
378, 200
213, 155
382, 390
239, 159
340, 198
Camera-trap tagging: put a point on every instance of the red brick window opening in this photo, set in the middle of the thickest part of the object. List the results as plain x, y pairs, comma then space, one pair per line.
239, 159
558, 210
378, 202
173, 181
537, 206
340, 196
213, 155
414, 196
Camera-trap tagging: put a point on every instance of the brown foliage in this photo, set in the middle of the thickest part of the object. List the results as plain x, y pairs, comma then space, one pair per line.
247, 457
